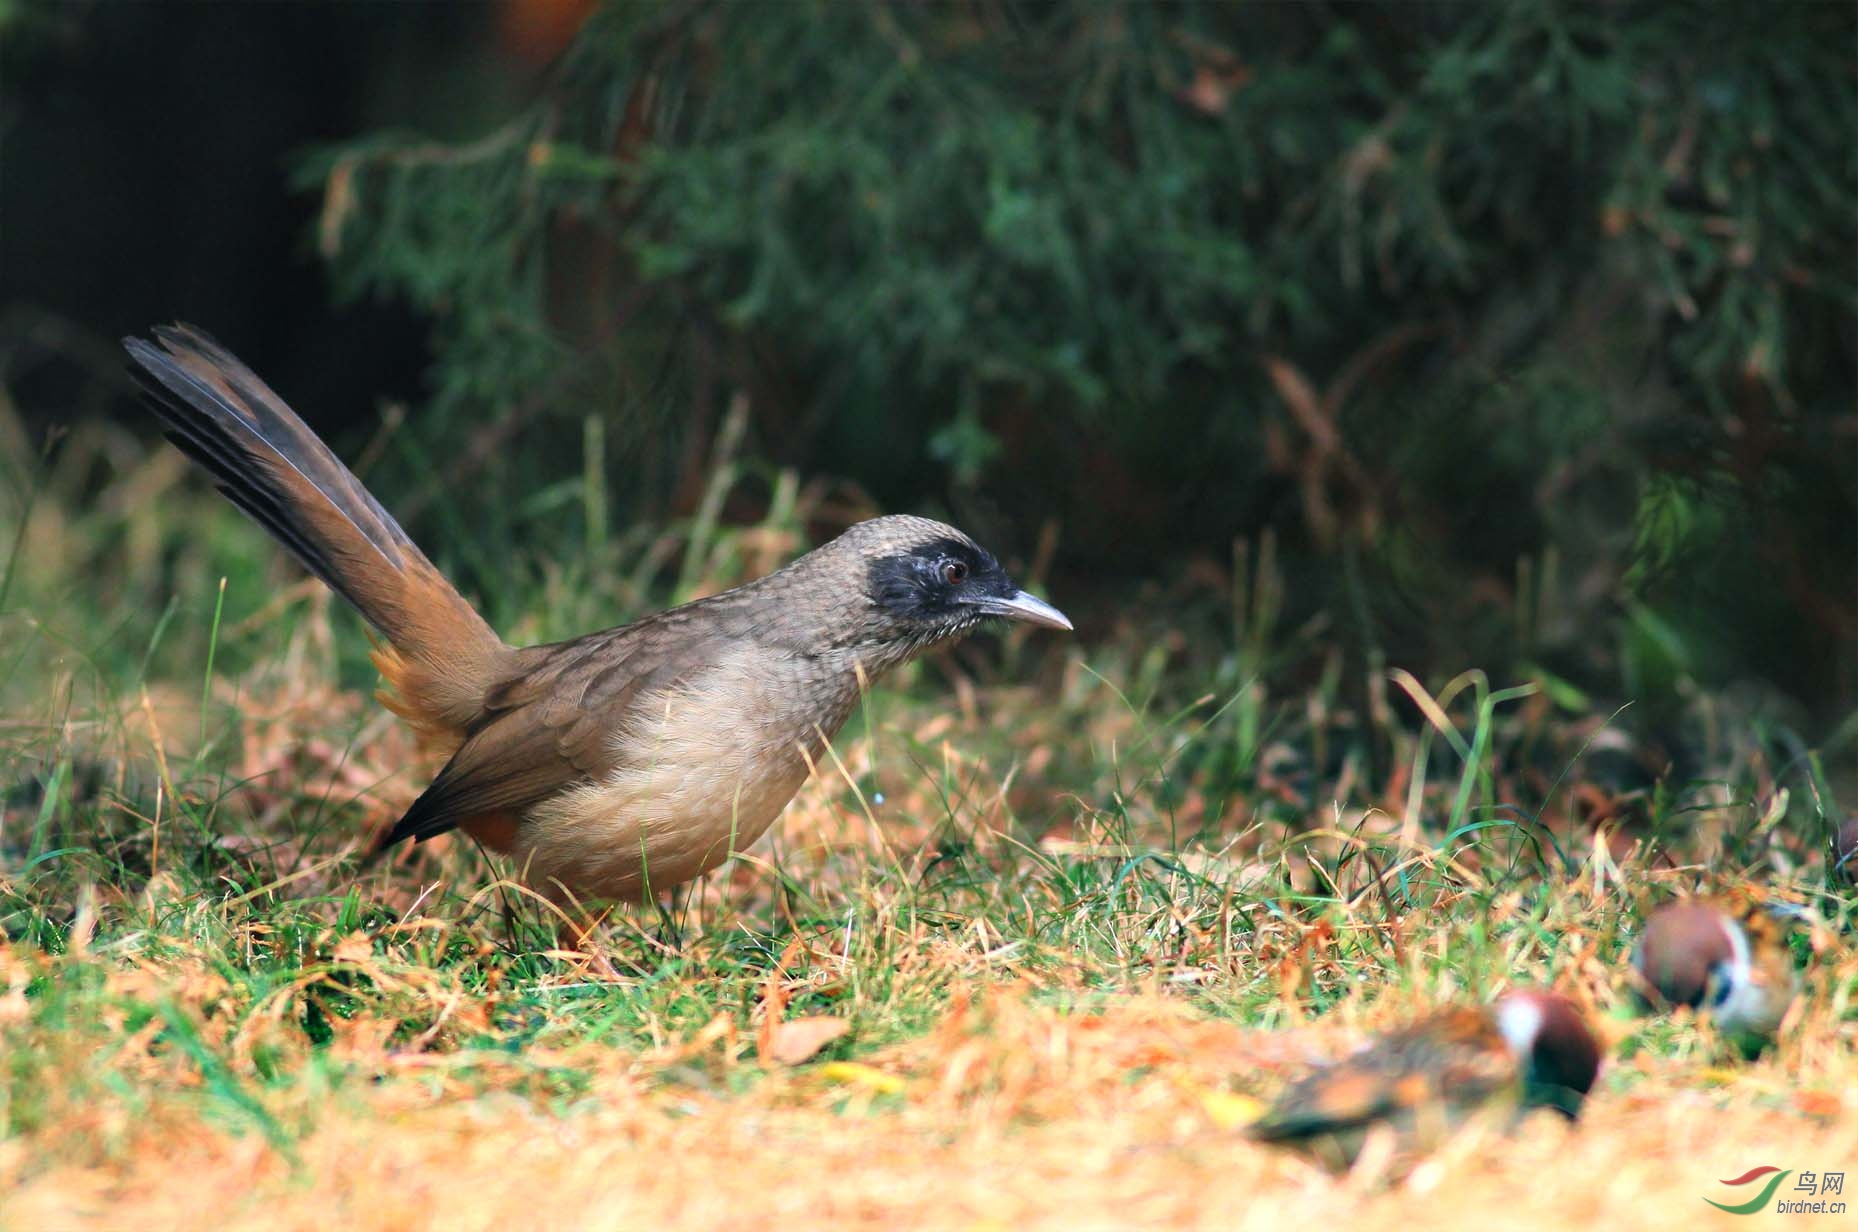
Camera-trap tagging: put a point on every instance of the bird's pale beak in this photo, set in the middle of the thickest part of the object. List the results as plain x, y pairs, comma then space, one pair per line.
1030, 608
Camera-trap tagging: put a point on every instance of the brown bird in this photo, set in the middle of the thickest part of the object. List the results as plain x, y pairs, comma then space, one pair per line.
1531, 1048
618, 764
1727, 959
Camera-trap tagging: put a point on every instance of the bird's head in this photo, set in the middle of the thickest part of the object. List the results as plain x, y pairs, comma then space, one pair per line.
1558, 1052
1685, 946
922, 583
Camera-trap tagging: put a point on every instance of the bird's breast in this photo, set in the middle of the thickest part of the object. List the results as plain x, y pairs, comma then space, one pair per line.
700, 772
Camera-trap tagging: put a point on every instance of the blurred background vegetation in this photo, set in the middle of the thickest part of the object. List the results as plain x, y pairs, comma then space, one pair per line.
1517, 337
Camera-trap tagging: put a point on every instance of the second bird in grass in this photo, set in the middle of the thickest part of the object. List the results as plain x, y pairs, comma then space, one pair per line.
618, 764
1727, 959
1531, 1048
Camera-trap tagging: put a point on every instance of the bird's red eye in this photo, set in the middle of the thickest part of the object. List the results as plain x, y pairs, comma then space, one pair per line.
954, 572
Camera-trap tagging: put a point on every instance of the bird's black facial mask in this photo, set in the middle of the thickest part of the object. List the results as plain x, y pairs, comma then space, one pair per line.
944, 585
1721, 985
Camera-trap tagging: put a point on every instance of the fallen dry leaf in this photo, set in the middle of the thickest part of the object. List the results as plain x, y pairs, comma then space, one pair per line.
799, 1039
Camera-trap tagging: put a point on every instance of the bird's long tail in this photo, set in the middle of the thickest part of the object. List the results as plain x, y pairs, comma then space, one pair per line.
440, 656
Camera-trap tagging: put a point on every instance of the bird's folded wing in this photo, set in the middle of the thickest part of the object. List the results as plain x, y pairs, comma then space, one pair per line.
552, 725
1328, 1101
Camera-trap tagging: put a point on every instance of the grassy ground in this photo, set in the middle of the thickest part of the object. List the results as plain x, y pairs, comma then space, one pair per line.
1028, 955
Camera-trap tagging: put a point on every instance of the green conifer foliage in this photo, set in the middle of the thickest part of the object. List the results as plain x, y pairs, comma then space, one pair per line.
1428, 289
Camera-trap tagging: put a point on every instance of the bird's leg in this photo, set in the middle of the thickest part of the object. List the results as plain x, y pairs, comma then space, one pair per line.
670, 934
578, 933
511, 925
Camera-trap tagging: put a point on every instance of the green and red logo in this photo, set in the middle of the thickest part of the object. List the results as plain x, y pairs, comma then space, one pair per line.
1760, 1200
1812, 1192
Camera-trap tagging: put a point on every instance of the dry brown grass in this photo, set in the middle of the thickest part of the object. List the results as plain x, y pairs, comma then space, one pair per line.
1004, 1116
990, 1084
1024, 955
